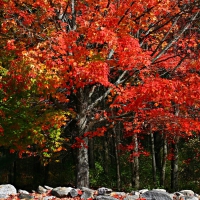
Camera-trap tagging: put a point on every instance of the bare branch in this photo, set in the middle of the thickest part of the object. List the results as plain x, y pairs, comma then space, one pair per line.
126, 12
164, 38
175, 38
91, 106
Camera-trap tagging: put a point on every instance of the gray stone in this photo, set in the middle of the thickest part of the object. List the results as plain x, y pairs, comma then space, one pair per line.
143, 191
156, 195
188, 198
25, 196
131, 197
48, 188
87, 193
102, 197
48, 197
73, 192
160, 190
185, 195
171, 196
177, 195
4, 196
86, 189
118, 194
23, 191
135, 193
61, 191
41, 190
104, 191
6, 190
188, 193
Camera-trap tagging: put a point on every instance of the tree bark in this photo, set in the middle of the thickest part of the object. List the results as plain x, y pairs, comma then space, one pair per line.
153, 158
106, 156
162, 180
116, 142
83, 166
174, 162
12, 174
91, 153
174, 166
82, 177
135, 165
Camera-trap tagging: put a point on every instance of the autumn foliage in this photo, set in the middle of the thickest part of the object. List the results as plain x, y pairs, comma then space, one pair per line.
97, 63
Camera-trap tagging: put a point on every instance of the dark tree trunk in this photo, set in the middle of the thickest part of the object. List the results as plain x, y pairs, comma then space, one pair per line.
12, 174
153, 158
83, 166
82, 176
162, 179
106, 156
91, 153
46, 173
116, 131
174, 162
135, 165
174, 166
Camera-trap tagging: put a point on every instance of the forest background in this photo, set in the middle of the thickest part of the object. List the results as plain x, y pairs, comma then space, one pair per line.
100, 93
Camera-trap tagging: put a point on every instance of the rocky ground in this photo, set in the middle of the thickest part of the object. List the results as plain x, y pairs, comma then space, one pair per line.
9, 192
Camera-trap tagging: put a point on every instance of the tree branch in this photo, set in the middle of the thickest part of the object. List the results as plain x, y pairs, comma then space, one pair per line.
175, 38
91, 106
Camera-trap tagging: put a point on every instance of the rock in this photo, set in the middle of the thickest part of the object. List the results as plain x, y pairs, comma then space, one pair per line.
87, 193
131, 197
190, 198
48, 188
185, 195
104, 191
102, 197
6, 190
73, 192
41, 190
143, 191
48, 197
61, 191
135, 193
23, 191
4, 196
177, 195
118, 194
171, 196
156, 195
182, 197
25, 196
161, 190
188, 193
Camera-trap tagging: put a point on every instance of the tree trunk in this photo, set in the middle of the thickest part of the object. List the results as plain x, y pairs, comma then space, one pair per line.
106, 160
116, 142
82, 176
174, 166
153, 158
174, 162
83, 166
12, 174
135, 165
91, 153
162, 179
46, 173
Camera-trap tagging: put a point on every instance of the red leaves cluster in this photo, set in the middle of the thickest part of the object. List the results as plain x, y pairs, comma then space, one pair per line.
131, 55
97, 133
